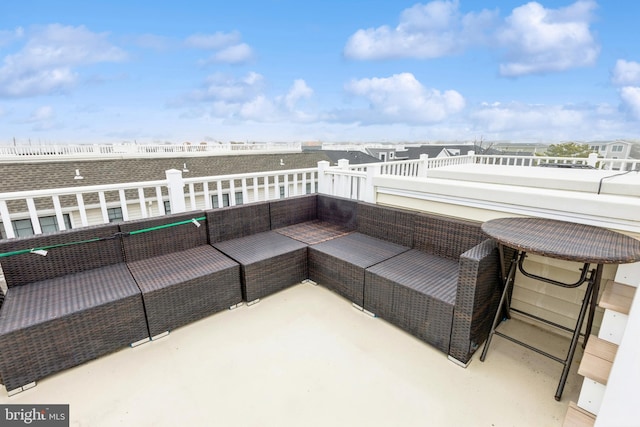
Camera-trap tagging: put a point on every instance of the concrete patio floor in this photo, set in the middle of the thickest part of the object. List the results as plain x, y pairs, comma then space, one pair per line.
306, 357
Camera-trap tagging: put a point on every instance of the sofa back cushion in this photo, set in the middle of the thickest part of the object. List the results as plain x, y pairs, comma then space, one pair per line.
390, 224
337, 210
237, 221
74, 251
446, 237
163, 235
293, 210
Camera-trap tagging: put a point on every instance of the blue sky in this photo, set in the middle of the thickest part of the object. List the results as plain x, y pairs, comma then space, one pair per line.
331, 71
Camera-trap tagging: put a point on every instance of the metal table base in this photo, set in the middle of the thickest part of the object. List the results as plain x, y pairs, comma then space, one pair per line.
592, 278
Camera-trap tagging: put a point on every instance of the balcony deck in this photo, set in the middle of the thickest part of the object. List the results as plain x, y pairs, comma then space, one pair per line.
305, 356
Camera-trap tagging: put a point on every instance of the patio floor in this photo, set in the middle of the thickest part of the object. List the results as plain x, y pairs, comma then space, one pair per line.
306, 357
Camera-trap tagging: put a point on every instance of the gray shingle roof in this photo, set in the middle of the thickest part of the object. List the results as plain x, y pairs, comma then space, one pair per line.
60, 174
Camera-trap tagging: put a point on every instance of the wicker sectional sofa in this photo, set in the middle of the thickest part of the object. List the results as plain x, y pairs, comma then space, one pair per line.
99, 289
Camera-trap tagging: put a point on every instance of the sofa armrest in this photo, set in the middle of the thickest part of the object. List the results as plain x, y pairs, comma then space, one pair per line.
477, 299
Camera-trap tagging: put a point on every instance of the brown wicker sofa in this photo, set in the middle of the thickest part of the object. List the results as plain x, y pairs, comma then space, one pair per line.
435, 277
75, 304
181, 276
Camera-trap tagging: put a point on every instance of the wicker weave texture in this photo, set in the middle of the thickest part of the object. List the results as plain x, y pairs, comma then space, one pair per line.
186, 286
337, 210
27, 268
392, 225
237, 221
339, 263
313, 232
293, 210
62, 322
446, 237
477, 298
579, 242
269, 260
162, 241
415, 291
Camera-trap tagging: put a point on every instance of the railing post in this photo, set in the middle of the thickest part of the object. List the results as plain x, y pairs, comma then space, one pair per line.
423, 165
593, 159
324, 183
175, 184
344, 181
369, 189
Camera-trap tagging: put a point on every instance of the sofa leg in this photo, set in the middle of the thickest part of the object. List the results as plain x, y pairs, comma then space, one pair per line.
234, 306
140, 342
362, 309
309, 281
21, 389
160, 335
458, 362
255, 301
365, 311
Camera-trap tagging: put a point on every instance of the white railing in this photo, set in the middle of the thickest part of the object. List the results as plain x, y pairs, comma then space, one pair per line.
531, 161
81, 206
100, 204
123, 150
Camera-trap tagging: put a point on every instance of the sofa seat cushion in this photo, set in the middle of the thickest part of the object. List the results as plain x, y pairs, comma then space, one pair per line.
179, 267
185, 286
50, 299
339, 263
313, 232
58, 323
360, 249
269, 262
416, 292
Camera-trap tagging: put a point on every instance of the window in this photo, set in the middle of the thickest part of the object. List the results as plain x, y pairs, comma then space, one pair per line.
167, 207
49, 224
383, 157
616, 148
391, 155
22, 227
282, 195
225, 200
115, 214
308, 189
239, 198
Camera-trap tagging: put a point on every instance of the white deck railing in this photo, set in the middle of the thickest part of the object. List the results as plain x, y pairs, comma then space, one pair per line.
91, 205
62, 151
82, 206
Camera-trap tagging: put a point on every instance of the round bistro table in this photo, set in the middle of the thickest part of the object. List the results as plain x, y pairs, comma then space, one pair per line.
562, 240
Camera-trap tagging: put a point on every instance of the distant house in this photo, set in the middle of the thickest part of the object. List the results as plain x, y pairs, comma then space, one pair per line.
612, 149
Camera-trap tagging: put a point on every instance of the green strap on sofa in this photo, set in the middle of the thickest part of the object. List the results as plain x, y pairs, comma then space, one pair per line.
60, 245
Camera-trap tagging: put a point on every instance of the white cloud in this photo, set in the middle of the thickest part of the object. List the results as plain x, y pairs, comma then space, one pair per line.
547, 123
244, 98
228, 89
236, 54
8, 36
214, 41
535, 39
425, 31
298, 91
540, 40
47, 61
626, 73
631, 100
228, 47
403, 99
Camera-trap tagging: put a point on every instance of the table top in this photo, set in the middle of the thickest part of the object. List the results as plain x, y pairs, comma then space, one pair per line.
564, 240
